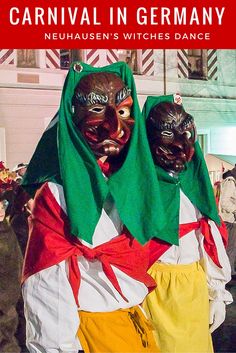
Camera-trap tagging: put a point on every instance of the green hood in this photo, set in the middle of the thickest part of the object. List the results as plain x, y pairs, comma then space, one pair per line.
63, 156
194, 181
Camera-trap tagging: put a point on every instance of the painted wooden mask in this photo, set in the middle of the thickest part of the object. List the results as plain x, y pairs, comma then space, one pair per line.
171, 134
102, 105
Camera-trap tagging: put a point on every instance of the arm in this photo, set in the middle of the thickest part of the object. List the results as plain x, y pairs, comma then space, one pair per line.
52, 318
217, 278
227, 199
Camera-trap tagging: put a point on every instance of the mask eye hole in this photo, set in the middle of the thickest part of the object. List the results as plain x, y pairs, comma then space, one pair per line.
124, 112
97, 109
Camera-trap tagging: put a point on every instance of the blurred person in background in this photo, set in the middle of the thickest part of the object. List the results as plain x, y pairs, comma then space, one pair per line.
18, 218
20, 170
10, 269
227, 208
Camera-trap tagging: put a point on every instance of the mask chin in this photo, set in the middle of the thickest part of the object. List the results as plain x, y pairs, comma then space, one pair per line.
108, 149
104, 142
174, 165
112, 149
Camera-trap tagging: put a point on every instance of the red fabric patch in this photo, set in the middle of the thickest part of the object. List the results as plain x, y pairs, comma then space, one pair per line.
158, 247
50, 242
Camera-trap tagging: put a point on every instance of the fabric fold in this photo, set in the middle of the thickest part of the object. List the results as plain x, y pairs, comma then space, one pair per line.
194, 181
63, 156
50, 243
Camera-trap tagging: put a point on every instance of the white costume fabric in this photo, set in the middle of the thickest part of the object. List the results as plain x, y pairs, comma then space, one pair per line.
191, 249
227, 207
51, 312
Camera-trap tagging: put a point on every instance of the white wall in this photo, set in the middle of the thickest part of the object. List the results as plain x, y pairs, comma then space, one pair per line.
2, 145
215, 164
215, 167
227, 66
25, 107
22, 114
223, 141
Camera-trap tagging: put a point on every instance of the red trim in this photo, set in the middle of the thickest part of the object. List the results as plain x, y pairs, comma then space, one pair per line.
209, 243
105, 167
50, 243
158, 247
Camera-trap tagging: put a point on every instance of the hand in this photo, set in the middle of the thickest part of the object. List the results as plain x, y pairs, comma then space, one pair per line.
217, 314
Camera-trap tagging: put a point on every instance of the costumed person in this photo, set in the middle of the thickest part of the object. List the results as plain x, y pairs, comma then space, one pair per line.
85, 268
191, 274
10, 269
8, 190
227, 208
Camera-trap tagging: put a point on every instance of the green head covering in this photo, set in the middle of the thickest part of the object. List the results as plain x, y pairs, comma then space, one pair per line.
194, 181
63, 156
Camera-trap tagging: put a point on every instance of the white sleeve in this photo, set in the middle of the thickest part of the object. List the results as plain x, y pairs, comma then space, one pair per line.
217, 277
52, 318
227, 199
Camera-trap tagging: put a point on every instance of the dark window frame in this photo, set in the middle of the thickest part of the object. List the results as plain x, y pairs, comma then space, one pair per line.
197, 64
70, 55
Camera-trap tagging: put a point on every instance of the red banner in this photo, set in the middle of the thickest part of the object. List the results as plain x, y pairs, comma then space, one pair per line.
109, 24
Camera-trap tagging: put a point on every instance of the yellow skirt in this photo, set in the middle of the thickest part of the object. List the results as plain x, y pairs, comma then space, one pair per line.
179, 308
121, 331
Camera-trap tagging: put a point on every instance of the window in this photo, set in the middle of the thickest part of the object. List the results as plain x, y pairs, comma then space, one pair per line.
203, 136
197, 64
130, 57
68, 56
201, 139
26, 58
64, 59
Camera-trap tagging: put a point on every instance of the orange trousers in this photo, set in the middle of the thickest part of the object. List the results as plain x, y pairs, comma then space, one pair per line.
120, 331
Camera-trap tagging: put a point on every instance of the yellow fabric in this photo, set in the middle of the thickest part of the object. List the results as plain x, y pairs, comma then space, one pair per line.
121, 331
179, 308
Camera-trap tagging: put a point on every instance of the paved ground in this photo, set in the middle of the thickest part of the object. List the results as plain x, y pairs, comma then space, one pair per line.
224, 337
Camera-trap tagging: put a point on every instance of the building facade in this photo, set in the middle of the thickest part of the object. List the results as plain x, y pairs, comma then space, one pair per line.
31, 83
